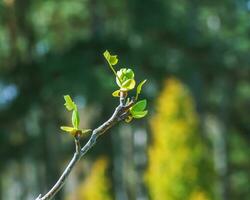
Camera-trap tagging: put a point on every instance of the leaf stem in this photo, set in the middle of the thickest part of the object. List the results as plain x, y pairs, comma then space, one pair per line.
113, 70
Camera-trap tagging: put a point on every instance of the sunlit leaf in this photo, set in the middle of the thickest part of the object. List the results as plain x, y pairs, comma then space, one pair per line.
129, 74
75, 119
67, 128
71, 130
112, 59
106, 55
70, 105
123, 75
139, 114
116, 93
138, 89
128, 85
139, 106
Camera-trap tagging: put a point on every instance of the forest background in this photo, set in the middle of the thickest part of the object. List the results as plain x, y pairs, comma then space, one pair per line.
193, 144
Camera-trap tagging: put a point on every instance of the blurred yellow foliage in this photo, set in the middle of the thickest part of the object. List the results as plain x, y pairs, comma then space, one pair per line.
96, 185
198, 195
177, 153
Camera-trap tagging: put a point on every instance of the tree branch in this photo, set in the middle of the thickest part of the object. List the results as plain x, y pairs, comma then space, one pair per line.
120, 113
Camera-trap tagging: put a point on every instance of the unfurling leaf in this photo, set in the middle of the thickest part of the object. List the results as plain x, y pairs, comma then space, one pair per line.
70, 105
128, 85
74, 132
123, 75
71, 130
116, 93
112, 59
138, 89
67, 128
75, 119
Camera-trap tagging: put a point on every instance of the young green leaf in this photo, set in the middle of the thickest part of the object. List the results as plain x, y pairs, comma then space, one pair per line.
137, 111
116, 93
75, 119
70, 105
67, 128
112, 59
123, 75
138, 89
139, 106
128, 85
71, 130
139, 114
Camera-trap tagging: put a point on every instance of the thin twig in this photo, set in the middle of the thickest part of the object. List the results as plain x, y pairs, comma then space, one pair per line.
119, 114
77, 144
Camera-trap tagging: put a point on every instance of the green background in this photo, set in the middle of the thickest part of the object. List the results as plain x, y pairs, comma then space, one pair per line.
50, 48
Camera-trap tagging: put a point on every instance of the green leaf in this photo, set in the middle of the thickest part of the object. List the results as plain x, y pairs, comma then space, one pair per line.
129, 74
112, 59
67, 128
123, 75
116, 93
70, 105
75, 119
139, 106
137, 111
106, 55
139, 114
138, 89
119, 78
71, 130
128, 85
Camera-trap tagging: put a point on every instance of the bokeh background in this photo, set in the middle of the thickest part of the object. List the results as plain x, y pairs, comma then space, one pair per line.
195, 142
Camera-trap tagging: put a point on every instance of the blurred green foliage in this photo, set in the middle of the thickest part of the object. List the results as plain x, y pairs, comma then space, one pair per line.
49, 48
